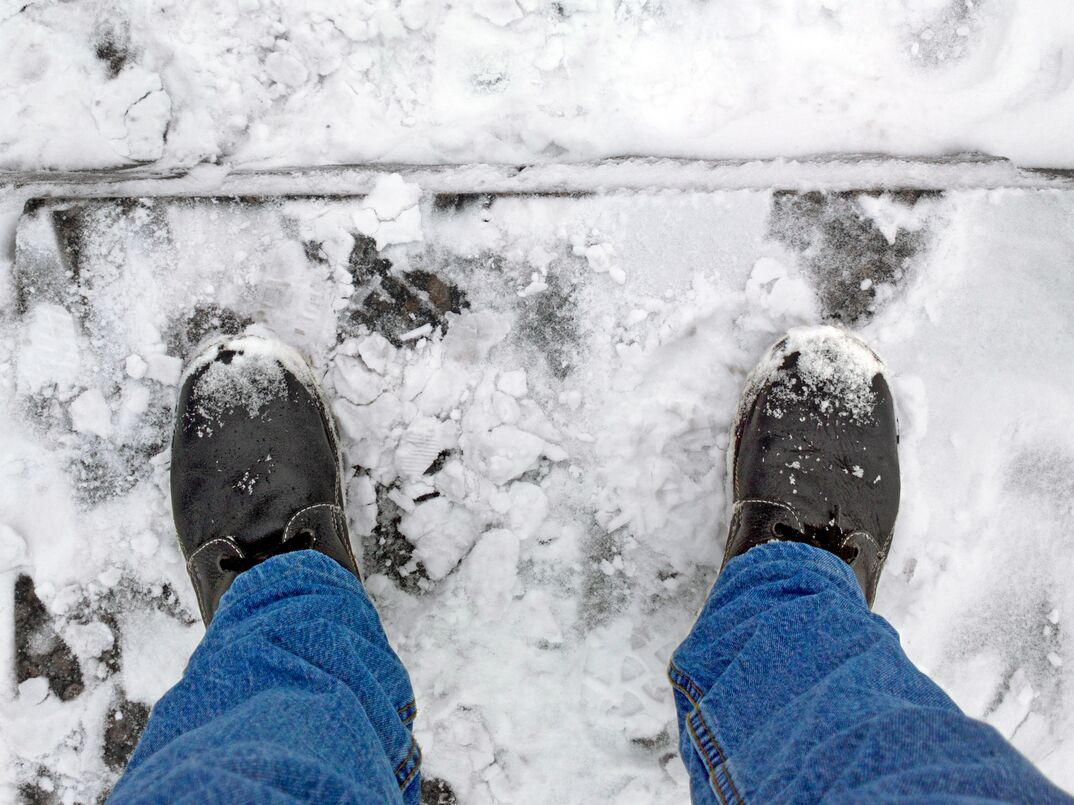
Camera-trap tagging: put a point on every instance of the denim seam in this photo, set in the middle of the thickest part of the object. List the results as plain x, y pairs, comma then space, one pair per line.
713, 784
404, 781
679, 680
408, 712
719, 775
683, 683
413, 772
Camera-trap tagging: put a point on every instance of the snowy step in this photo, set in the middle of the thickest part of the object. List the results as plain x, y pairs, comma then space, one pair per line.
835, 172
535, 379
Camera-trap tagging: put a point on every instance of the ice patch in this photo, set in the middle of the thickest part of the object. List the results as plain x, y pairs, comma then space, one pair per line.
377, 353
473, 334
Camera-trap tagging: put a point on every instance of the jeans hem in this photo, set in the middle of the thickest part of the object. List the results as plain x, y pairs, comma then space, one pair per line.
406, 771
408, 712
702, 736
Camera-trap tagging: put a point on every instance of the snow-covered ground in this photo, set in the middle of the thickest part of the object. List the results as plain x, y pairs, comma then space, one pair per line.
538, 422
535, 391
97, 83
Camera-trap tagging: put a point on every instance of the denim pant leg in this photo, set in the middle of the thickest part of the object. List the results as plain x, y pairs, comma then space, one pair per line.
293, 695
789, 689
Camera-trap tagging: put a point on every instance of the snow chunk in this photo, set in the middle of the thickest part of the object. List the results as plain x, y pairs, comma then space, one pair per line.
390, 213
90, 414
890, 216
88, 639
133, 112
286, 69
33, 690
425, 438
354, 381
503, 453
391, 195
441, 533
377, 352
361, 506
136, 367
417, 332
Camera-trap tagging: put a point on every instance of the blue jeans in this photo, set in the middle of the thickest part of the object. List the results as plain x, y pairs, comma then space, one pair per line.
294, 695
788, 690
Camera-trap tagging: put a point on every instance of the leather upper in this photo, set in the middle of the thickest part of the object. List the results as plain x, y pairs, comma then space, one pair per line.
252, 471
812, 467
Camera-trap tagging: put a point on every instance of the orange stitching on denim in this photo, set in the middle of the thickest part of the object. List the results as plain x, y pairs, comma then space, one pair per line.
723, 755
404, 716
413, 771
673, 667
682, 690
413, 746
708, 731
707, 762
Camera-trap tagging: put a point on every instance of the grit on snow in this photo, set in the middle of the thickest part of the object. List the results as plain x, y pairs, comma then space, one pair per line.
535, 395
106, 83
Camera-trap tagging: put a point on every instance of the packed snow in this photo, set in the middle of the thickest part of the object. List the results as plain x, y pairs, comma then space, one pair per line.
268, 82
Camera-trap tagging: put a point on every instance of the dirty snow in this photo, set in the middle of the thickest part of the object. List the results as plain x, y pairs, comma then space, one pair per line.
538, 488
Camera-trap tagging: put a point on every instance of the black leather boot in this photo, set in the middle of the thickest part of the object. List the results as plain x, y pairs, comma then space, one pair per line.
256, 467
815, 455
